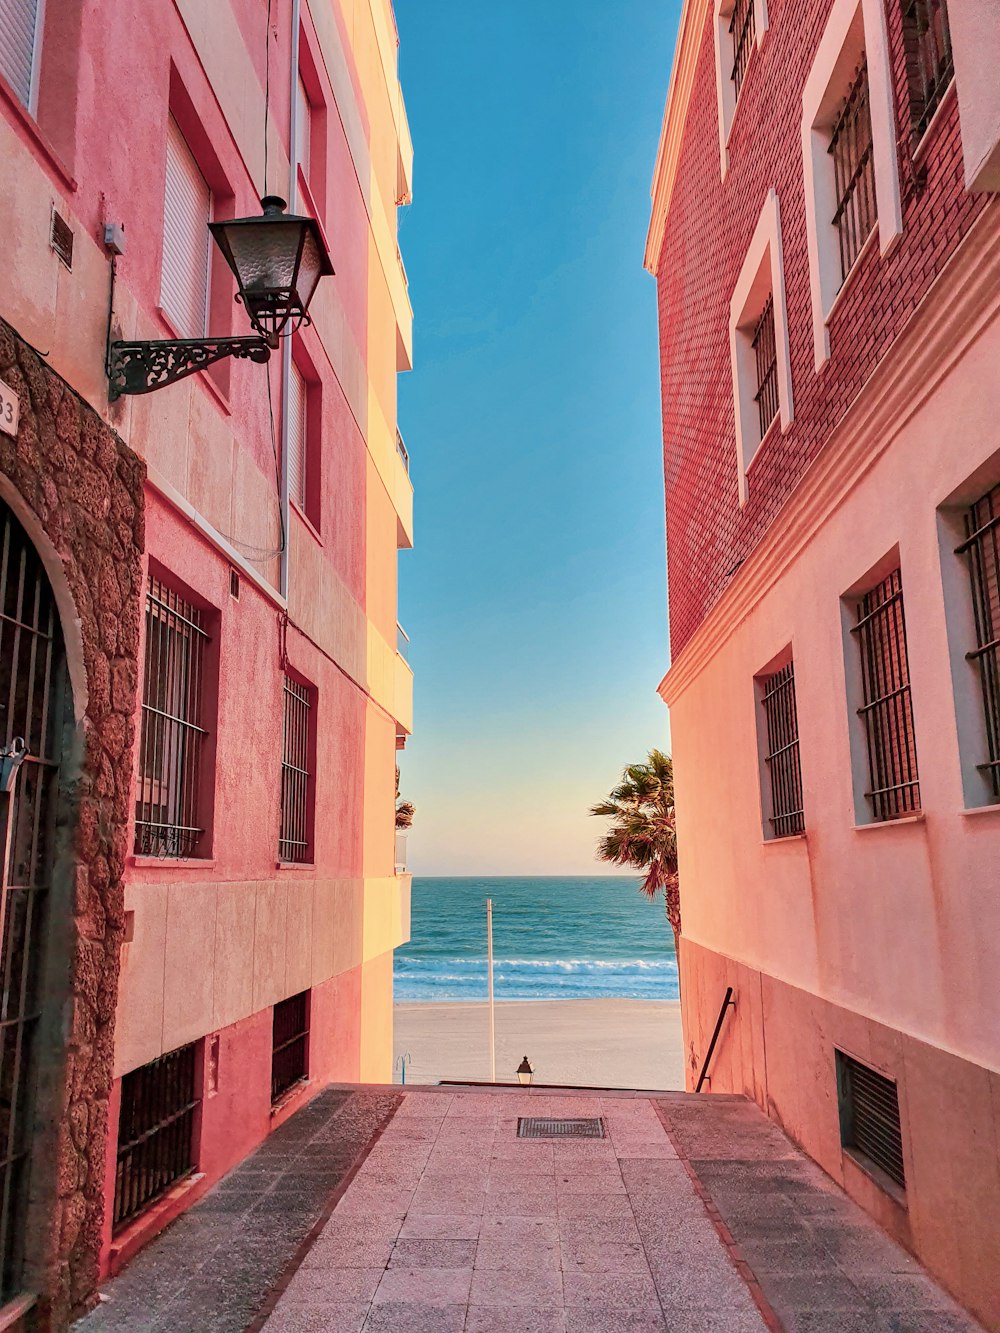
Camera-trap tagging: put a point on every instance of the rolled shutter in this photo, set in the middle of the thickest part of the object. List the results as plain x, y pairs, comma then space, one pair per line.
18, 25
187, 205
303, 127
297, 407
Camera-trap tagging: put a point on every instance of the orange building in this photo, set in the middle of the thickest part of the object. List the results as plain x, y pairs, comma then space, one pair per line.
826, 242
198, 636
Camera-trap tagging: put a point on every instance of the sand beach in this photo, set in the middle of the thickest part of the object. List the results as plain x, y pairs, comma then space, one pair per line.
613, 1043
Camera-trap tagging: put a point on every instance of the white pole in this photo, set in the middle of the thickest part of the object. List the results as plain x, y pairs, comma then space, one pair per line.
489, 973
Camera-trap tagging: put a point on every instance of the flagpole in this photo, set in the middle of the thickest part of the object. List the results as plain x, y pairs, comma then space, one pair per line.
489, 974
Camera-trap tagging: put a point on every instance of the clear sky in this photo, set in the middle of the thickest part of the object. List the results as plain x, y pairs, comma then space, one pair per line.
535, 597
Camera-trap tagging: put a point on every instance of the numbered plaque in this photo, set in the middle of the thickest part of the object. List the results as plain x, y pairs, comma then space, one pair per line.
10, 409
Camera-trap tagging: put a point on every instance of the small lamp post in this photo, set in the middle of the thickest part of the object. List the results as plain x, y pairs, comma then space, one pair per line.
524, 1073
278, 259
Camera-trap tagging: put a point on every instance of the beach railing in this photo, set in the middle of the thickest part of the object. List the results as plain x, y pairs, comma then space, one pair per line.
715, 1036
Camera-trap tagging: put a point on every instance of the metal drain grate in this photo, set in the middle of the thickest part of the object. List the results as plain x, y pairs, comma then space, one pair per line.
538, 1127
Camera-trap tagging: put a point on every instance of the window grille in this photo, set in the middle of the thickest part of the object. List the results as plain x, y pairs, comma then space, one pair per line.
982, 547
765, 350
782, 758
290, 1042
168, 805
295, 842
930, 67
32, 680
742, 30
155, 1131
869, 1116
187, 208
854, 171
298, 404
20, 35
887, 709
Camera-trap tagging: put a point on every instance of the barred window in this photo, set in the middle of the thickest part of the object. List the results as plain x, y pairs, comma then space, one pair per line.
168, 812
290, 1043
155, 1131
887, 711
742, 30
854, 171
765, 350
297, 789
982, 548
930, 67
782, 758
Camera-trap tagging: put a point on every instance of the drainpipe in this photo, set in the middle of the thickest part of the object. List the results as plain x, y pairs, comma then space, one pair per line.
286, 343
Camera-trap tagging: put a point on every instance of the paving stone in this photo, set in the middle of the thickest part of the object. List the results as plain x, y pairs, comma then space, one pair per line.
632, 1291
602, 1319
424, 1286
314, 1286
422, 1253
432, 1227
518, 1256
411, 1317
589, 1256
594, 1205
501, 1319
538, 1288
342, 1318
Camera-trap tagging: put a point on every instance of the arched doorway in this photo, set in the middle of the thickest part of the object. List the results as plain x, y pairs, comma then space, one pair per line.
32, 712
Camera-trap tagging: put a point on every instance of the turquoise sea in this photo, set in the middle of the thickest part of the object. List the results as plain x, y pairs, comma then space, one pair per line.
554, 938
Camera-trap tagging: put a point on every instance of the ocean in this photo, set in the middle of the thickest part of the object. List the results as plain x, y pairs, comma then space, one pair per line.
554, 938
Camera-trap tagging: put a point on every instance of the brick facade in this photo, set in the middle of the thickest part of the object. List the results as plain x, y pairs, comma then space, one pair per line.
83, 492
708, 230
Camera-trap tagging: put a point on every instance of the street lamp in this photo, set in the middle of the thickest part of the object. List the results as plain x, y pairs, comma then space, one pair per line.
524, 1073
278, 259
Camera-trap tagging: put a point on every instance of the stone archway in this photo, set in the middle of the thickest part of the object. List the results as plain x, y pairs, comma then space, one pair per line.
77, 492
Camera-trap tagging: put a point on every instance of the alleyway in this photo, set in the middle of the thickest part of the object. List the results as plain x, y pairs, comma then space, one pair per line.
689, 1216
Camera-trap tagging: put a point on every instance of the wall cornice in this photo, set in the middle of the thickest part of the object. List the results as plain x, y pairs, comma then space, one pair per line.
689, 30
963, 301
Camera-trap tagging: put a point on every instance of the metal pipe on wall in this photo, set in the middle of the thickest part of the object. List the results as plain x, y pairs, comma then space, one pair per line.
286, 343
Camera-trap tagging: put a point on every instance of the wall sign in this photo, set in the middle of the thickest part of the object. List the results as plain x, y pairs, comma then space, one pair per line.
10, 409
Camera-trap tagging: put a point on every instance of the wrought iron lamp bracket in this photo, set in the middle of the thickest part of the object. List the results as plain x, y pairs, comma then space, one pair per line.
141, 367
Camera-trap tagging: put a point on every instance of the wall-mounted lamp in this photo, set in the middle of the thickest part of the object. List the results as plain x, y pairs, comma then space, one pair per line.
278, 259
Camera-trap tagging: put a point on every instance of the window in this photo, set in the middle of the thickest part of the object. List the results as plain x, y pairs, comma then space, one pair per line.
929, 64
155, 1131
739, 29
766, 357
289, 1044
168, 804
886, 712
20, 46
741, 33
297, 787
298, 437
869, 1117
781, 758
187, 209
758, 340
850, 159
854, 171
303, 127
982, 549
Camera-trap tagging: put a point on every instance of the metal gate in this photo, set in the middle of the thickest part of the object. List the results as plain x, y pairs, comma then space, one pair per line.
31, 716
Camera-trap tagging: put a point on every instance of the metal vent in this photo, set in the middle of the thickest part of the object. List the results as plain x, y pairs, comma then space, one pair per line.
234, 584
538, 1127
869, 1116
61, 239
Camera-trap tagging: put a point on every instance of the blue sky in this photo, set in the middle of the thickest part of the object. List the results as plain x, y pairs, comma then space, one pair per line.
535, 597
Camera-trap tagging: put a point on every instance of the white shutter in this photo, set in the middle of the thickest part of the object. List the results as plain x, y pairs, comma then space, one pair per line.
297, 408
19, 24
187, 204
303, 126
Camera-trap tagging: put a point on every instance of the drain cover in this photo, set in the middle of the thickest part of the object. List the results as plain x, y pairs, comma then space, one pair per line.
538, 1127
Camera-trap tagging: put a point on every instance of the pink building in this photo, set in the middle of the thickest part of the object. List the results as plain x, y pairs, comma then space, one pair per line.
826, 241
198, 636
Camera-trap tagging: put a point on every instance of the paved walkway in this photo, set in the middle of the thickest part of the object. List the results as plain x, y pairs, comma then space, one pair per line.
692, 1215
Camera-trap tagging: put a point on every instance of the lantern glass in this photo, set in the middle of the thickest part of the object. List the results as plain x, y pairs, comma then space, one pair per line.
524, 1072
278, 260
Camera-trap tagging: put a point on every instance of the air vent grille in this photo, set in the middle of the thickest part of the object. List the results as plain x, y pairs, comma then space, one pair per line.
538, 1127
61, 238
869, 1116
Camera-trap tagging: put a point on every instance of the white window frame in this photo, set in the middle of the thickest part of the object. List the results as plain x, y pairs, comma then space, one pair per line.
303, 126
204, 253
728, 100
854, 27
297, 469
762, 275
30, 101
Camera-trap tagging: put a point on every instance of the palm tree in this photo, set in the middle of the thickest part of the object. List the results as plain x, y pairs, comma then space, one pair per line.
643, 833
404, 809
